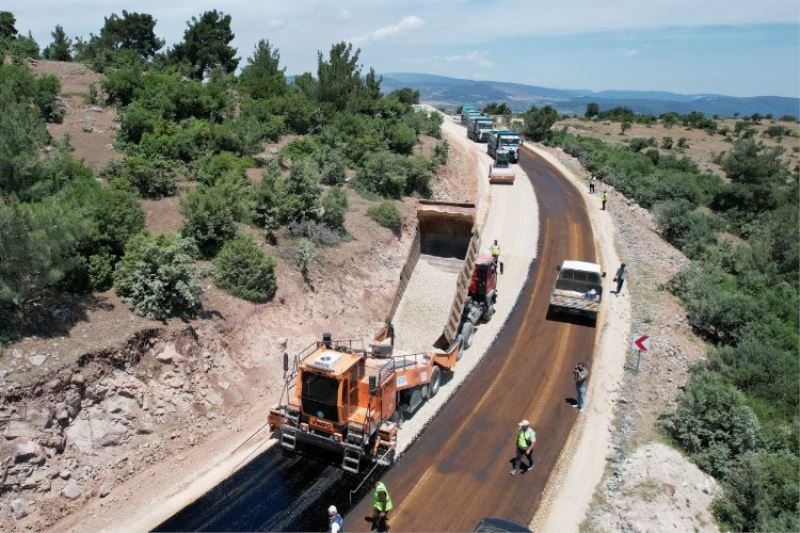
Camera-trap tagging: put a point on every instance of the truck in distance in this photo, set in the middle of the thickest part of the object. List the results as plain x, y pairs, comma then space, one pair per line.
478, 128
578, 289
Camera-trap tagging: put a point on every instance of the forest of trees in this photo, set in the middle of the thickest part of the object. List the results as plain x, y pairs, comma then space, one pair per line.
185, 116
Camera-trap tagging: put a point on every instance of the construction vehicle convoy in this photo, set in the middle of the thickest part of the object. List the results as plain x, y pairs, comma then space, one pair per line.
578, 289
501, 171
466, 110
348, 398
504, 140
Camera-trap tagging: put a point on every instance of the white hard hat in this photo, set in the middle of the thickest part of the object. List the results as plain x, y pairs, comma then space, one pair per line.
332, 509
524, 423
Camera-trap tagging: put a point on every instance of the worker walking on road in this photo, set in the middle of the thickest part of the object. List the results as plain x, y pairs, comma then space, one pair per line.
526, 436
605, 199
619, 277
494, 249
335, 522
581, 377
382, 504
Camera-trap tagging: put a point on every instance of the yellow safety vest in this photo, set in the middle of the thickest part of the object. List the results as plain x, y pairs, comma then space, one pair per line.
522, 439
495, 250
379, 505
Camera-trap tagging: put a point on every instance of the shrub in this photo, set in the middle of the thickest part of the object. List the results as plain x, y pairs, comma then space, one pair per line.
213, 167
382, 173
334, 208
439, 155
713, 423
305, 254
267, 198
211, 215
315, 232
331, 168
300, 198
135, 122
153, 178
638, 144
387, 215
101, 271
683, 142
158, 276
242, 269
401, 138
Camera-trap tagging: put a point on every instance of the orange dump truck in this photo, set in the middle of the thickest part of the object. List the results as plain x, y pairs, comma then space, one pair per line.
349, 398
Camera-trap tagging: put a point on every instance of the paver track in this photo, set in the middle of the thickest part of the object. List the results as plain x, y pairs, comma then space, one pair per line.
458, 471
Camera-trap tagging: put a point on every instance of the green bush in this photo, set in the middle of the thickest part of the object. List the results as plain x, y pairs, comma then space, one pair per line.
300, 198
713, 423
439, 155
383, 173
211, 215
213, 167
158, 276
101, 271
135, 122
268, 198
153, 178
305, 254
401, 138
242, 269
334, 208
638, 144
387, 215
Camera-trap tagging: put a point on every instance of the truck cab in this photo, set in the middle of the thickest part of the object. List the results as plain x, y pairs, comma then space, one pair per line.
478, 128
578, 289
504, 140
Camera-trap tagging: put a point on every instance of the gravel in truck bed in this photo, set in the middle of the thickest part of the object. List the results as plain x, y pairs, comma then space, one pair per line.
423, 310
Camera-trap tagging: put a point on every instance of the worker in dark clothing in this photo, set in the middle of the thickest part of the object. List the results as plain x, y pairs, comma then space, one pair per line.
381, 505
605, 199
526, 436
581, 377
335, 521
619, 277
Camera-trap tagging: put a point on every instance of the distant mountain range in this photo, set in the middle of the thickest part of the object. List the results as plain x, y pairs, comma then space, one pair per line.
452, 92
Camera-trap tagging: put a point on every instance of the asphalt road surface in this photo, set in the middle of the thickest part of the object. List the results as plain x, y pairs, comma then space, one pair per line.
458, 471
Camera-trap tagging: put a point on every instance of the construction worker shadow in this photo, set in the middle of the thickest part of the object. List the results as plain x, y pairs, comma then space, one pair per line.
523, 467
568, 318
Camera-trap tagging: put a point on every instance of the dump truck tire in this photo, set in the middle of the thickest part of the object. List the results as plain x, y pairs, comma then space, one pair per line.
436, 382
487, 315
467, 334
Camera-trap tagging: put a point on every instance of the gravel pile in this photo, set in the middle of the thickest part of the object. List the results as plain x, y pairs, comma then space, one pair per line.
422, 312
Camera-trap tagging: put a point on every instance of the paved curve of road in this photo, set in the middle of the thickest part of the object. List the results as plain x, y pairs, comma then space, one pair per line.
458, 471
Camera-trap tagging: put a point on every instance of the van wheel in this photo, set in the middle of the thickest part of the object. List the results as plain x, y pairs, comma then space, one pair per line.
467, 332
436, 382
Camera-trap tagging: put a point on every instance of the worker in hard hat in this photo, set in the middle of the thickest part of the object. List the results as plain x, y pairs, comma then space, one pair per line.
335, 522
382, 504
494, 249
526, 436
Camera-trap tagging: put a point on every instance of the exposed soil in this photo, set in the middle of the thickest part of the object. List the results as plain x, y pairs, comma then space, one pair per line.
702, 146
107, 407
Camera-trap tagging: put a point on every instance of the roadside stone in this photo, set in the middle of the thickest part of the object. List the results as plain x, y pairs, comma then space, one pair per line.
64, 474
40, 418
168, 354
20, 508
144, 428
71, 490
105, 489
27, 450
20, 428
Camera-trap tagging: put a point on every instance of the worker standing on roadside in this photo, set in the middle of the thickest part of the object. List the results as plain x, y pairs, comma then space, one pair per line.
382, 504
581, 376
605, 199
619, 277
335, 522
494, 249
592, 181
526, 436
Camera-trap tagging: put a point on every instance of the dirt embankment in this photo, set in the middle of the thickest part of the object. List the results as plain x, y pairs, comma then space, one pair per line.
107, 413
647, 486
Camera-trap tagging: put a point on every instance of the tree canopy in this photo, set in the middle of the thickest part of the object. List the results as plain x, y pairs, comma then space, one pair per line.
206, 44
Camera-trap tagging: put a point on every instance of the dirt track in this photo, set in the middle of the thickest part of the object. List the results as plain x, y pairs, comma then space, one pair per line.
458, 471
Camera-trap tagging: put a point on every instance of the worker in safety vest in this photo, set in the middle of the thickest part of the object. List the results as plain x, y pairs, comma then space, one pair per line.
494, 249
526, 436
335, 522
382, 504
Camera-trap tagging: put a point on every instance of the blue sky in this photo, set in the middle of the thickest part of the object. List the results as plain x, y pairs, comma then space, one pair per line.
735, 47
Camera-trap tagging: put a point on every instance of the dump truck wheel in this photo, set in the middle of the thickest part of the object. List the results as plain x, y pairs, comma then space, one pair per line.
487, 315
467, 333
436, 382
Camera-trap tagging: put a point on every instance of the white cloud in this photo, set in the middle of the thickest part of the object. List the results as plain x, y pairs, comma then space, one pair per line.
474, 57
628, 52
408, 24
344, 15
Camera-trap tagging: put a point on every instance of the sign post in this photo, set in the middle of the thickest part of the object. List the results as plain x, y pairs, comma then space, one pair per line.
640, 343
